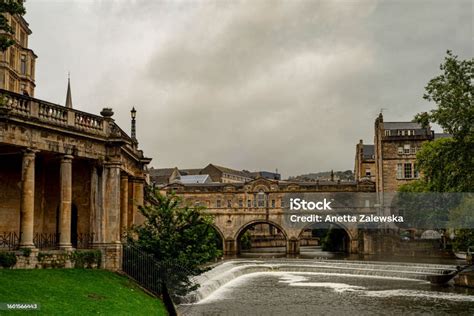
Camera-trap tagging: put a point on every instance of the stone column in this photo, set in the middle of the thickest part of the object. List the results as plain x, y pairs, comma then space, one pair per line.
27, 199
123, 204
112, 202
293, 246
230, 247
138, 198
65, 202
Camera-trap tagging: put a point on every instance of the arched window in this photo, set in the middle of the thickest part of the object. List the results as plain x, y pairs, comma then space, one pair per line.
261, 199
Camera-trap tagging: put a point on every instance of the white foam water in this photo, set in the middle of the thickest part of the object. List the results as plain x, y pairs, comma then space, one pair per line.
337, 287
223, 275
423, 294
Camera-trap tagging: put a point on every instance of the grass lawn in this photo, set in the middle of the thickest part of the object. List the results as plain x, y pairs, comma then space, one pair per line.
76, 292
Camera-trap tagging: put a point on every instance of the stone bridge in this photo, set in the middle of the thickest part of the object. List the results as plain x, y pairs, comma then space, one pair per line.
238, 206
69, 179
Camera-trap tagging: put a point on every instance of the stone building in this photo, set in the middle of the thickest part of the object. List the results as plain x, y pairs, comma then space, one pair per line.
226, 175
69, 179
364, 162
396, 145
215, 173
17, 63
238, 207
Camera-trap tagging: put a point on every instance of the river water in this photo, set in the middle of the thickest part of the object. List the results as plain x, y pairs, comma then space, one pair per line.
308, 287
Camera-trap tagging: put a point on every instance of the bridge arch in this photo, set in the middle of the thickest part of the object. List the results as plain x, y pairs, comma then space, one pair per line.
340, 240
244, 227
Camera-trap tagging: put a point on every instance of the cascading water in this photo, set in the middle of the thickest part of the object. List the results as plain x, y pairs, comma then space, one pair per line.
227, 271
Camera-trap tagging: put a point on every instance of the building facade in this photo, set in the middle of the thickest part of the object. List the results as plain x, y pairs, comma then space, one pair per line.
364, 167
259, 203
69, 179
18, 62
395, 146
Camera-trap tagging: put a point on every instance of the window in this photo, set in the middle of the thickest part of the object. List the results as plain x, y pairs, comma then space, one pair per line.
218, 203
282, 203
23, 39
23, 64
407, 171
249, 203
229, 203
406, 149
400, 150
11, 84
413, 150
261, 199
399, 170
273, 203
241, 203
416, 173
368, 173
387, 132
12, 57
32, 66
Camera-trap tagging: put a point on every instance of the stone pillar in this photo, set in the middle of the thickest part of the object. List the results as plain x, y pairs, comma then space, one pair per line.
65, 202
293, 246
112, 202
27, 199
230, 247
138, 198
123, 204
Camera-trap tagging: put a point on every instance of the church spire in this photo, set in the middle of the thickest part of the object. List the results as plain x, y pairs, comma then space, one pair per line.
68, 94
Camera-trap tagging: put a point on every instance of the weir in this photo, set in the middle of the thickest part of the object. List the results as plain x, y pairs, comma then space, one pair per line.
225, 272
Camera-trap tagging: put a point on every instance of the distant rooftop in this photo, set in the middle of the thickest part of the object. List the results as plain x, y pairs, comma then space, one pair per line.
197, 178
368, 151
401, 125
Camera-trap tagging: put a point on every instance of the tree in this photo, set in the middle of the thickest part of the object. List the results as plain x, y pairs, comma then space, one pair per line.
447, 164
12, 7
177, 235
453, 93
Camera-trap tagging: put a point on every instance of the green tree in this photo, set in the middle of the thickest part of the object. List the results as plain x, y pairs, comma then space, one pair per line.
453, 93
447, 164
12, 7
177, 235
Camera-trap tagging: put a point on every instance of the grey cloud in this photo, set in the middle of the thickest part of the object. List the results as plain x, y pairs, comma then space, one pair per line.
248, 84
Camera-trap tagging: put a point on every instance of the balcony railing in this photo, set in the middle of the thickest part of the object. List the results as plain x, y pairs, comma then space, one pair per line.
54, 114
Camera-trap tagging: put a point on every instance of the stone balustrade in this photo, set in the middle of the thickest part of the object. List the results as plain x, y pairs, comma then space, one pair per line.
54, 114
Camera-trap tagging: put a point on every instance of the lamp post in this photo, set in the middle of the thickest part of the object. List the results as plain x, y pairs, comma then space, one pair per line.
133, 114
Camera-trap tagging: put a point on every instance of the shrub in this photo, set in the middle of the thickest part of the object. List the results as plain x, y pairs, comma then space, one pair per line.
7, 259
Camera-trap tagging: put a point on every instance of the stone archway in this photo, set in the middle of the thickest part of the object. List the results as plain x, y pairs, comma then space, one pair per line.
245, 227
340, 236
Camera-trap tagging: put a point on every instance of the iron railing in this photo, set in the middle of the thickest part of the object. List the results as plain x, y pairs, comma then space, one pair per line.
11, 240
165, 279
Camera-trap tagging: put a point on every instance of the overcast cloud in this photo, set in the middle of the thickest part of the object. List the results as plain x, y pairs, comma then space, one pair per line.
255, 85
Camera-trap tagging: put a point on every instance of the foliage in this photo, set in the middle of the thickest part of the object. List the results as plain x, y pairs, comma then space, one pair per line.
176, 234
463, 239
447, 164
453, 93
12, 7
86, 258
245, 241
77, 292
333, 240
26, 252
7, 259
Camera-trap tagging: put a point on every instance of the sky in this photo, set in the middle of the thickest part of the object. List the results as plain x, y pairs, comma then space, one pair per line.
257, 85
